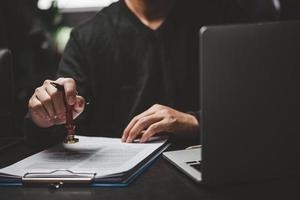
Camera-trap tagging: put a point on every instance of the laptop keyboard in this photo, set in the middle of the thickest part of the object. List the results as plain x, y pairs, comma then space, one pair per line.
194, 164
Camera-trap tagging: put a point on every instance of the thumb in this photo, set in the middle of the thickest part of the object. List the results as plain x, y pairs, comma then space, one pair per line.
79, 106
70, 89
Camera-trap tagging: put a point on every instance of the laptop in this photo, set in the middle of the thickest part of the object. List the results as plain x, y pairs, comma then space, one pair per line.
250, 102
8, 136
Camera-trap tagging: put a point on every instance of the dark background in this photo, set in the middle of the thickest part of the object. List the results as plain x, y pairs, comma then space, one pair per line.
30, 33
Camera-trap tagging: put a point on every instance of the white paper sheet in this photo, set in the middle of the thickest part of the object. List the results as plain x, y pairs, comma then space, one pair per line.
103, 156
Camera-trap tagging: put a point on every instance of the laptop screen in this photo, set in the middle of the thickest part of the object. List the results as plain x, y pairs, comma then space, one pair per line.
250, 101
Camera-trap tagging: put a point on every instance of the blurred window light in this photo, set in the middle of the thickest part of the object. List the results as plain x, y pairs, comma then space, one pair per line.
44, 4
75, 5
277, 4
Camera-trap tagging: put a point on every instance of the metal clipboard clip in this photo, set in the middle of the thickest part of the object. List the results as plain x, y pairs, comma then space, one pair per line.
57, 178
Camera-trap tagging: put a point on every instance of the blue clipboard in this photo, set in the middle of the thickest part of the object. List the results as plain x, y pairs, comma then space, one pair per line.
11, 182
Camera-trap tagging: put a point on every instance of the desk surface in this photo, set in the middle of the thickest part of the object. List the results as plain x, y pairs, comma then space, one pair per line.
161, 181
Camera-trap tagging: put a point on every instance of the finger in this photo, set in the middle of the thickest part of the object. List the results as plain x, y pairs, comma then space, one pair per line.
141, 125
154, 129
70, 89
133, 122
78, 106
57, 99
46, 101
37, 108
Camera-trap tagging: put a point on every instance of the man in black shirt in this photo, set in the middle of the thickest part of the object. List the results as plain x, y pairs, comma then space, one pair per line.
136, 63
134, 60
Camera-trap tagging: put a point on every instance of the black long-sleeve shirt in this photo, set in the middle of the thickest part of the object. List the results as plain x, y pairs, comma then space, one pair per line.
122, 67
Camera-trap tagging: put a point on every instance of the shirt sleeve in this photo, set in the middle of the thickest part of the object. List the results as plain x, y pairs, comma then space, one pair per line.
196, 114
37, 136
74, 63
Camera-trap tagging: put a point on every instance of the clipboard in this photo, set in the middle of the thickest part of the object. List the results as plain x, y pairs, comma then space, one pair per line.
54, 180
55, 177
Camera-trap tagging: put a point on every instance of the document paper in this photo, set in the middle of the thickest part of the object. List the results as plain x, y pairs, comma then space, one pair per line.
98, 155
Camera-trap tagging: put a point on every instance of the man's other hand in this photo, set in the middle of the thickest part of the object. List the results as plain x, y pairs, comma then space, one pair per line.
158, 119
